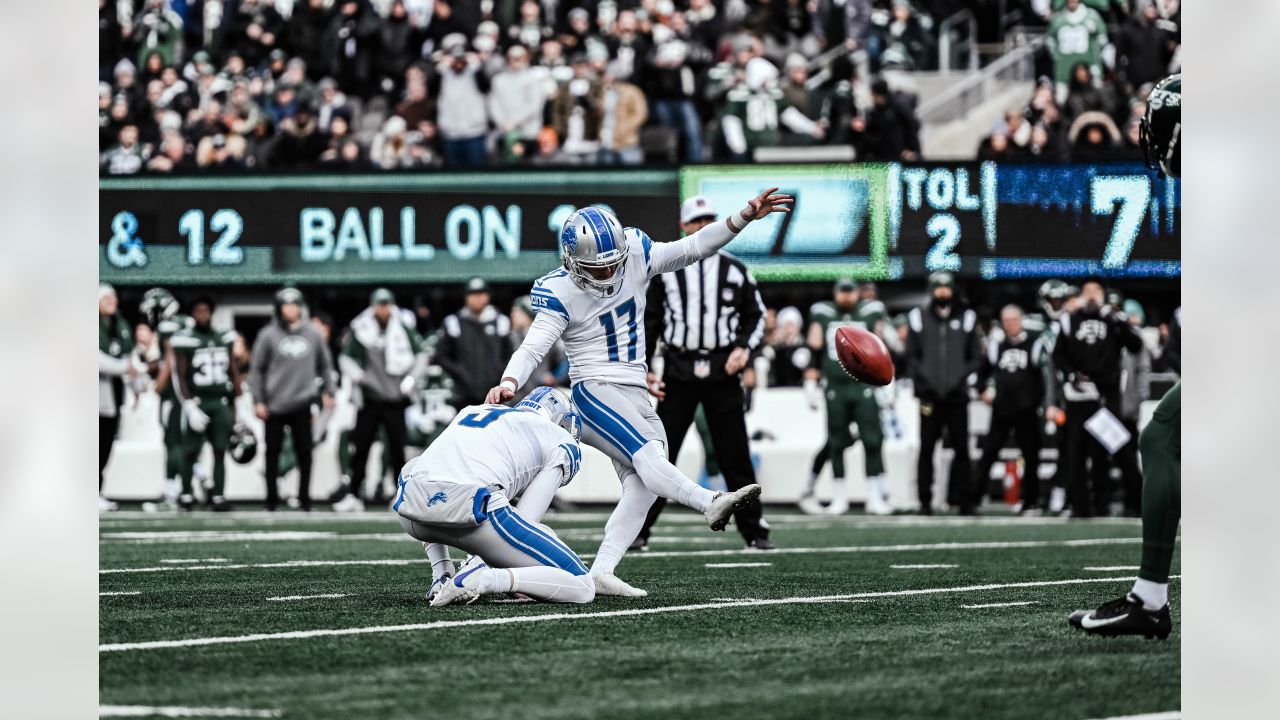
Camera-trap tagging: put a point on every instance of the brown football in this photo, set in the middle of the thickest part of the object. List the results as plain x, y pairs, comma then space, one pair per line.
864, 356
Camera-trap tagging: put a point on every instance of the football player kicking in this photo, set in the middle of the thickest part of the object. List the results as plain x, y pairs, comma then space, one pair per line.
1145, 610
596, 305
458, 493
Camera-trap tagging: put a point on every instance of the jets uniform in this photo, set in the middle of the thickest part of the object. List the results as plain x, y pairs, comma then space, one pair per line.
458, 493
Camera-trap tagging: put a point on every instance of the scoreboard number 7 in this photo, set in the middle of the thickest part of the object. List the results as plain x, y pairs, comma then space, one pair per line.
1133, 193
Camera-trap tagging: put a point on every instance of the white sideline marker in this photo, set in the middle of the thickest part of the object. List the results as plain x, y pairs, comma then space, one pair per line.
183, 712
998, 605
1168, 715
737, 565
941, 566
1112, 568
738, 552
547, 617
113, 593
193, 561
325, 596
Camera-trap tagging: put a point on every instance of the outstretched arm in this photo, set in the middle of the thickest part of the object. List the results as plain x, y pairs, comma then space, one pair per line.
546, 328
688, 250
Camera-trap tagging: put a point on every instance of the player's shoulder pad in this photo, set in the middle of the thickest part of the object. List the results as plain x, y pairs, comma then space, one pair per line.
638, 241
873, 307
822, 309
184, 339
549, 294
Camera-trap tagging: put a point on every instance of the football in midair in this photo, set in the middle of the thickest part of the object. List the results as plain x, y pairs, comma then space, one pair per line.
864, 356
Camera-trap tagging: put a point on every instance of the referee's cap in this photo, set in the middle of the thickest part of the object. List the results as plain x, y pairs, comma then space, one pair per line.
696, 208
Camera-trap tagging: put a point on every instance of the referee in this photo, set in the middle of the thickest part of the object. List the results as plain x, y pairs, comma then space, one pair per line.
710, 318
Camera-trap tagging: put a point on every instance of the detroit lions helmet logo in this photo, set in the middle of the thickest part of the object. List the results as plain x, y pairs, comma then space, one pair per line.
569, 237
437, 498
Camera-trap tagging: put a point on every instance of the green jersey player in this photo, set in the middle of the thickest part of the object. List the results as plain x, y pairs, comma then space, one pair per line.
847, 400
159, 310
208, 383
1145, 610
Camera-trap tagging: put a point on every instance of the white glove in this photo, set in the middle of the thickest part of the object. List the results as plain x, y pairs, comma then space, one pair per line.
813, 393
196, 418
407, 385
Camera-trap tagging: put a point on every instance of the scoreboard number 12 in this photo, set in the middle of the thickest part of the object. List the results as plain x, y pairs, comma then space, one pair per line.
229, 226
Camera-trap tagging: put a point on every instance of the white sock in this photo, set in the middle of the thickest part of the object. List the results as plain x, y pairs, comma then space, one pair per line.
171, 489
491, 580
841, 494
1154, 595
876, 488
550, 584
663, 478
810, 484
438, 554
624, 523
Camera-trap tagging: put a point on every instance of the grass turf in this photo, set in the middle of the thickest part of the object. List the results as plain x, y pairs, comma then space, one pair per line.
886, 656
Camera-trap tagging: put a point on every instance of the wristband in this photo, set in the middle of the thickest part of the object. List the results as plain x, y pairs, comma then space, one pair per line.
508, 383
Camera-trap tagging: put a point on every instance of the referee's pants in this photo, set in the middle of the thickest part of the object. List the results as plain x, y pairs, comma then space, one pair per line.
721, 401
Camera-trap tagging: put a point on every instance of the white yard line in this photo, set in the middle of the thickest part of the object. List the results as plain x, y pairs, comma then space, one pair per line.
741, 552
183, 712
193, 561
939, 566
737, 565
218, 536
547, 617
998, 605
1111, 568
325, 596
1168, 715
119, 592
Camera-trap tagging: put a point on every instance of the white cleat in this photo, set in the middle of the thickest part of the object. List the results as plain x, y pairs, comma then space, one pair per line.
724, 504
610, 584
457, 591
838, 507
877, 505
105, 505
809, 505
349, 504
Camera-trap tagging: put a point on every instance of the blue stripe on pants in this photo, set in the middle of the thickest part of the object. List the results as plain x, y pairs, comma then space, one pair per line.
612, 414
526, 538
596, 415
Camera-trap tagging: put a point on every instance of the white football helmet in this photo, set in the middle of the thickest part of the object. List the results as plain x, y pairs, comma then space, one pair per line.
555, 406
593, 240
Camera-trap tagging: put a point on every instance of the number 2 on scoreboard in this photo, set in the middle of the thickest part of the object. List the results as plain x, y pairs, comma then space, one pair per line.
1133, 192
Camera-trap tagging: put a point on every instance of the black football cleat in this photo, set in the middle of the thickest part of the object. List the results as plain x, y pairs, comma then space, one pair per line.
762, 543
640, 544
1124, 616
186, 502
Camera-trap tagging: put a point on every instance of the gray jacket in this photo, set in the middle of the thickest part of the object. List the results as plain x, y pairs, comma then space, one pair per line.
1135, 382
289, 367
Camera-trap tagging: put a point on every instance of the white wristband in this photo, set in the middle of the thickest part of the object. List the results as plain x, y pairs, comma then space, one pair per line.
508, 383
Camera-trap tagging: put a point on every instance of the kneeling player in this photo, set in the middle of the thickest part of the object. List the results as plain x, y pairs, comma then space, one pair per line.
458, 493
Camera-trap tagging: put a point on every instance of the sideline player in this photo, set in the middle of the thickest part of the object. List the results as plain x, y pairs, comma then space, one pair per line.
1145, 609
458, 493
596, 304
160, 310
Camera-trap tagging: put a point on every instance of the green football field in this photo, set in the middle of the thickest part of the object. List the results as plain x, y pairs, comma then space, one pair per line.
322, 616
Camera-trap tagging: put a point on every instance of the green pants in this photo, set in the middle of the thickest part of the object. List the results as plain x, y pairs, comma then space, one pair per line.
171, 421
217, 434
853, 403
1161, 447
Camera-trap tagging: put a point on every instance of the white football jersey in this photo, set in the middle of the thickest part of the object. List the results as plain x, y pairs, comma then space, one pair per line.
604, 338
499, 447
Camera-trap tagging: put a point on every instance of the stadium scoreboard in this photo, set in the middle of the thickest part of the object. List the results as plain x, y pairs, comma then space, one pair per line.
872, 221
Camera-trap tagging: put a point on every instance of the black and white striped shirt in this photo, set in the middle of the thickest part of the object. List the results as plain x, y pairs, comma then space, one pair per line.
712, 305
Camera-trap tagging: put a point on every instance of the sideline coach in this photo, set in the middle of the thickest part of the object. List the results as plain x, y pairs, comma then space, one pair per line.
711, 318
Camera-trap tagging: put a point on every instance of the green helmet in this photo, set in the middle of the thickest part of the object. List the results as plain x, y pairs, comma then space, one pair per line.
244, 446
157, 306
1162, 126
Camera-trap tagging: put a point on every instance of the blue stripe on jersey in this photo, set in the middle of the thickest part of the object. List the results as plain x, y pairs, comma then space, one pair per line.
647, 243
400, 500
609, 424
543, 299
526, 538
575, 458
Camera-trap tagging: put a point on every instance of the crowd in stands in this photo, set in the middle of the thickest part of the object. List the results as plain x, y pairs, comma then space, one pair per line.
1102, 59
191, 85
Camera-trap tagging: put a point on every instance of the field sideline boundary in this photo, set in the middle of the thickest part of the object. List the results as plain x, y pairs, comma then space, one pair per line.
548, 617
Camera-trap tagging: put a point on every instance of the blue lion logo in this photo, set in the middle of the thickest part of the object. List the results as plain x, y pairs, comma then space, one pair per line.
570, 239
437, 498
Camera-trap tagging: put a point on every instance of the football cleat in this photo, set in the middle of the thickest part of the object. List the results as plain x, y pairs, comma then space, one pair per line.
877, 505
437, 584
809, 505
105, 505
639, 545
186, 502
458, 592
1123, 616
838, 507
220, 504
763, 543
610, 584
349, 504
723, 505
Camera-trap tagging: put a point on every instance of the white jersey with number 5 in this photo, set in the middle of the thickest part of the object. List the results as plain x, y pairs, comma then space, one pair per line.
498, 447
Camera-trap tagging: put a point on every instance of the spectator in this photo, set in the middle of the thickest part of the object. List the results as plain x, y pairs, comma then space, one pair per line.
1083, 94
127, 157
943, 349
475, 343
1087, 356
796, 93
671, 73
1013, 385
253, 31
1076, 34
622, 112
905, 39
629, 47
517, 99
299, 141
394, 51
996, 146
889, 131
1093, 137
290, 361
418, 110
115, 344
333, 102
461, 117
110, 38
1142, 49
349, 44
752, 112
857, 24
1044, 144
382, 356
174, 156
156, 27
575, 115
304, 36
